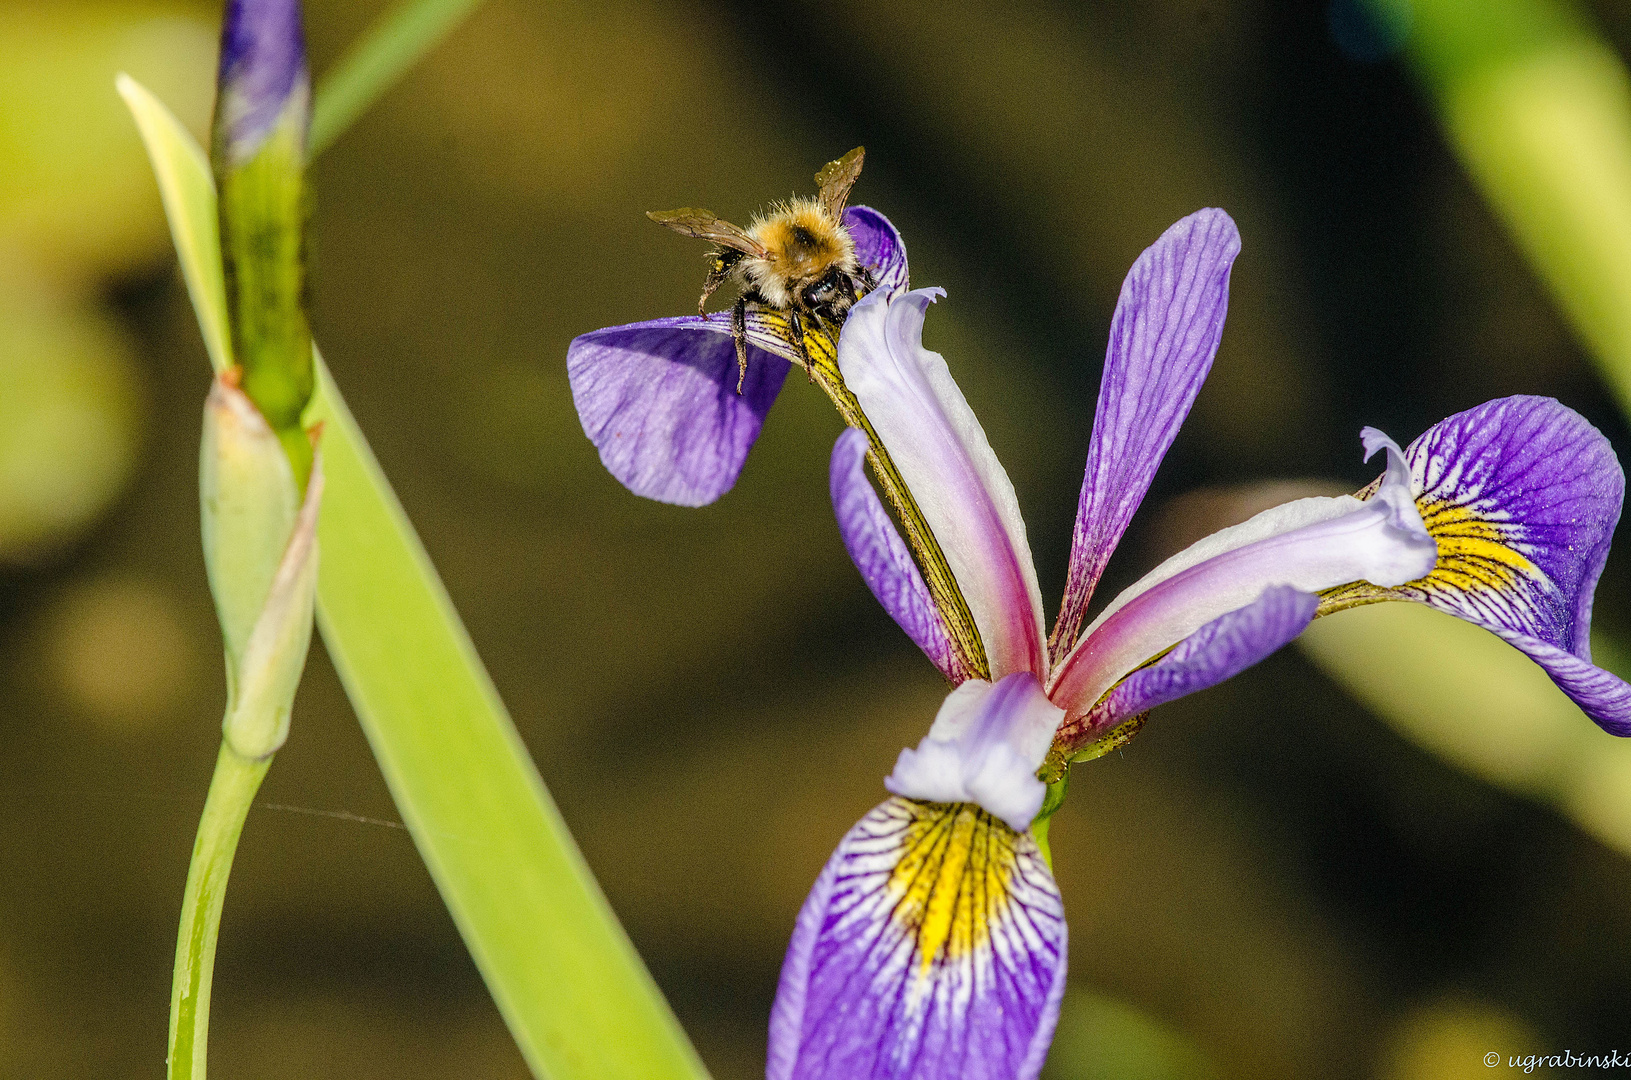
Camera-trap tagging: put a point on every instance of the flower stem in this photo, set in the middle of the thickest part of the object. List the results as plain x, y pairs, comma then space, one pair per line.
392, 45
232, 789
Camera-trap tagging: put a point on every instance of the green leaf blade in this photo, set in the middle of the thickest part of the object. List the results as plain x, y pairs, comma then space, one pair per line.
188, 190
576, 996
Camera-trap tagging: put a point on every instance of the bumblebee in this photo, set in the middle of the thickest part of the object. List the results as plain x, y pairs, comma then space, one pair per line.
796, 259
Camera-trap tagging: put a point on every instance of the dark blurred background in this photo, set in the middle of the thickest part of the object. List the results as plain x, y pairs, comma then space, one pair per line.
1271, 882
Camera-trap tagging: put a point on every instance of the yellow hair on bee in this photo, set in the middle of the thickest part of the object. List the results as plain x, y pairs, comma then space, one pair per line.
803, 242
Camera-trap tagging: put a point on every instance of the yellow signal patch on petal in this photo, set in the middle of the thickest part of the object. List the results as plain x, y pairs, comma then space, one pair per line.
1477, 554
957, 862
1473, 551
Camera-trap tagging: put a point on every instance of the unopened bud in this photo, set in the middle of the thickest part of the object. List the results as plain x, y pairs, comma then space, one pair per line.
260, 551
262, 115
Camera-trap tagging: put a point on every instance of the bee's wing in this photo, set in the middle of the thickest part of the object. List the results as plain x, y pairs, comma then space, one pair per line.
704, 225
836, 178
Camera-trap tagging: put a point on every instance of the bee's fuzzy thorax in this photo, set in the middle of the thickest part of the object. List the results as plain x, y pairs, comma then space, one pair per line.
802, 242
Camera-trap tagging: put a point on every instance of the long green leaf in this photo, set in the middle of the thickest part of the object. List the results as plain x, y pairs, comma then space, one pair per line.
575, 995
188, 189
1539, 109
391, 46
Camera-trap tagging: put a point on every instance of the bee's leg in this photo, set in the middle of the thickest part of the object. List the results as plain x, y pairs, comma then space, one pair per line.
719, 271
868, 282
796, 324
739, 331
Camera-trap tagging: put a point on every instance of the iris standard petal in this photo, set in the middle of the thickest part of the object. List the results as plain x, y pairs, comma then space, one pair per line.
879, 248
1220, 650
986, 744
658, 399
1163, 337
1521, 496
932, 946
882, 556
941, 451
1309, 544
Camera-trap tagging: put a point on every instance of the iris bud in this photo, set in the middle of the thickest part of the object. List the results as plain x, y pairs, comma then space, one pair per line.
260, 552
262, 116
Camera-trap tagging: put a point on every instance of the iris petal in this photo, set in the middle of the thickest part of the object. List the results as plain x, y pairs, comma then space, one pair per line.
1308, 544
932, 945
879, 247
942, 453
882, 557
1163, 338
1521, 496
986, 744
658, 399
1220, 650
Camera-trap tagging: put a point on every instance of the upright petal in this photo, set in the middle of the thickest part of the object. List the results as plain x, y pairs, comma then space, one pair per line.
1163, 337
1220, 650
658, 399
879, 247
932, 946
1309, 545
882, 557
986, 744
1521, 496
937, 443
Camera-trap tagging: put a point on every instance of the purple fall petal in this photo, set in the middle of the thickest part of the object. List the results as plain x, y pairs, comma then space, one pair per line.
1165, 333
932, 946
882, 557
879, 248
263, 63
1522, 496
1220, 650
1604, 697
942, 453
658, 399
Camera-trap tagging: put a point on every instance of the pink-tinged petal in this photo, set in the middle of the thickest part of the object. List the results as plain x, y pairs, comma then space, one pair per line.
882, 556
879, 248
941, 451
1521, 496
932, 946
658, 399
1220, 650
1309, 544
1163, 337
985, 747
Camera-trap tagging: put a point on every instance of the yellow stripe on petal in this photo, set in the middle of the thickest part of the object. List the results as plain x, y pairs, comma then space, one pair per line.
952, 880
932, 946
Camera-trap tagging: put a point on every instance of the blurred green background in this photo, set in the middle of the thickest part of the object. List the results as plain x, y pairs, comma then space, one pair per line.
1305, 872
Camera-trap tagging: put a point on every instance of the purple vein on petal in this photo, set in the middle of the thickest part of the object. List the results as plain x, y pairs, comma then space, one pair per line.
932, 945
1164, 335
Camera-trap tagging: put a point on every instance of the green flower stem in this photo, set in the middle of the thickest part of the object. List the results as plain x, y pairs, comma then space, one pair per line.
232, 789
394, 44
578, 1001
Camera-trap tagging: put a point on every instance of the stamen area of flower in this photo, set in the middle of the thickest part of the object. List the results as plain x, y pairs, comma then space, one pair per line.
985, 746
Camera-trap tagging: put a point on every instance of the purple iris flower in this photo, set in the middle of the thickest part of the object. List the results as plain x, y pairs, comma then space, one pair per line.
933, 942
659, 398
